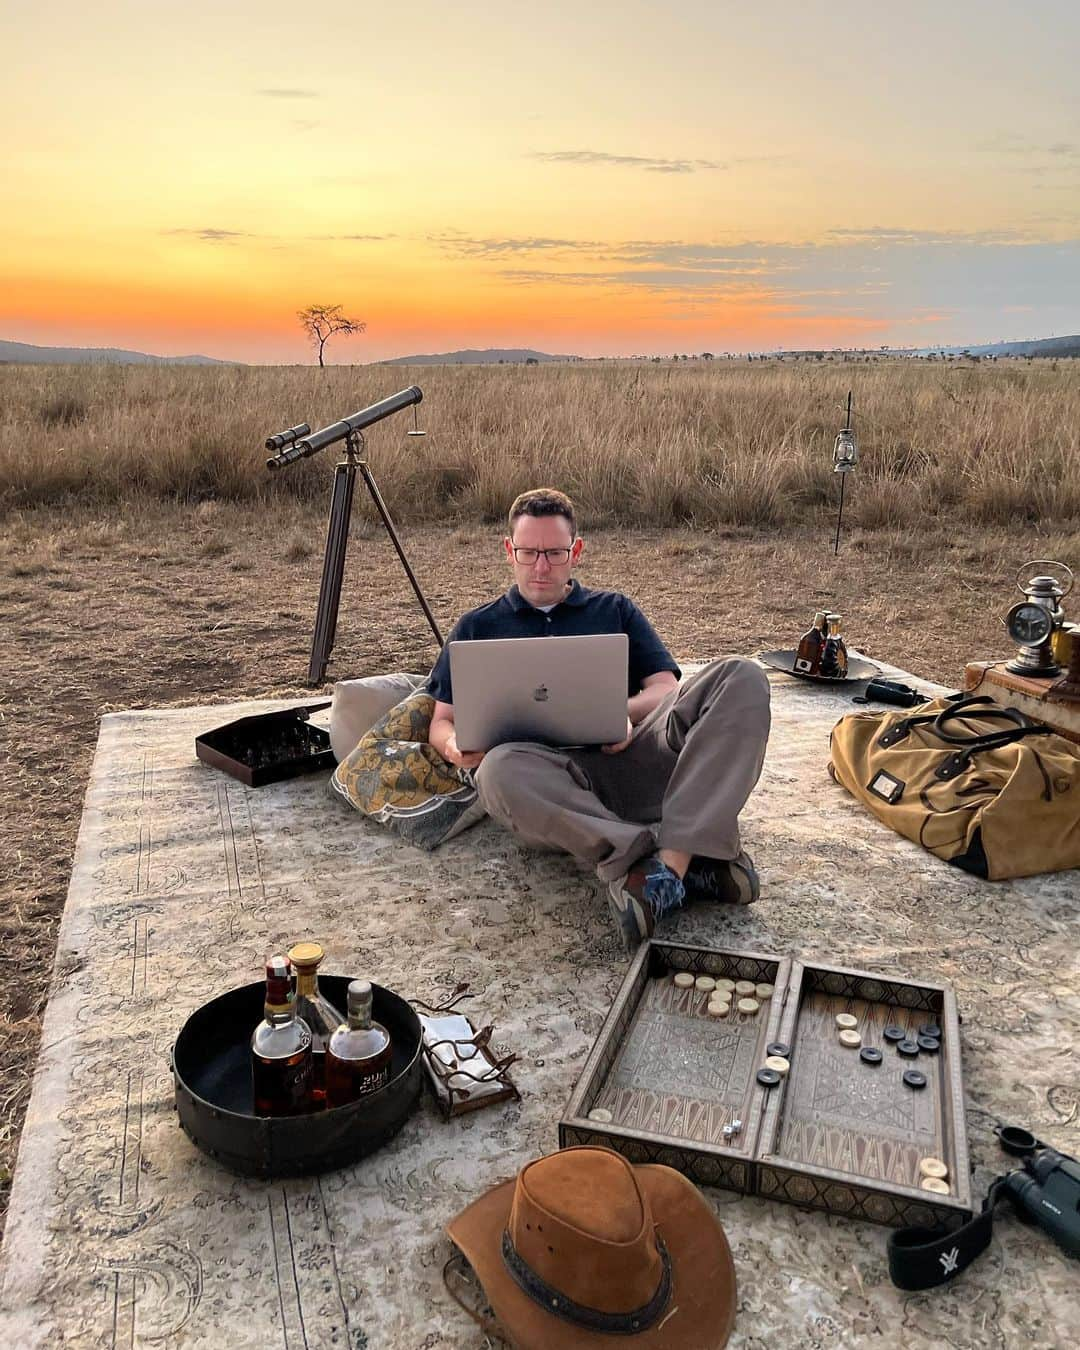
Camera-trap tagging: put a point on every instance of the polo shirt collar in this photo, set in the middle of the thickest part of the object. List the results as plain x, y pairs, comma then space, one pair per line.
577, 596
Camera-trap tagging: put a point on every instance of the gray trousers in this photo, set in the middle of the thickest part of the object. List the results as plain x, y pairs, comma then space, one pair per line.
679, 784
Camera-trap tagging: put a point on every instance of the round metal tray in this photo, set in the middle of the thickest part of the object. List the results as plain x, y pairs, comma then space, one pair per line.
212, 1073
785, 661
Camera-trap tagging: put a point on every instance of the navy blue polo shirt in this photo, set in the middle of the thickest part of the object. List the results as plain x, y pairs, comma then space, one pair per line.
582, 613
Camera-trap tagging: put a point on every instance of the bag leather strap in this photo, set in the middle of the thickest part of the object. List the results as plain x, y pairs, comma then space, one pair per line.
1020, 726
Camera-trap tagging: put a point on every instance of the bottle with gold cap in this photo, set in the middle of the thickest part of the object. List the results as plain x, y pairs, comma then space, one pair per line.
834, 658
808, 656
358, 1056
281, 1049
318, 1012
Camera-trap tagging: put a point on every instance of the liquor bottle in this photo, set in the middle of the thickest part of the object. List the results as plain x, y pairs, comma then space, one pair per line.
322, 1018
358, 1056
808, 657
834, 660
281, 1050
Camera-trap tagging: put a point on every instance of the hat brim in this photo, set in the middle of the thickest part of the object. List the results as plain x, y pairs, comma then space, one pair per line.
700, 1314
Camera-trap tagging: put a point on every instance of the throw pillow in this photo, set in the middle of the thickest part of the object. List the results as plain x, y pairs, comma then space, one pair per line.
358, 704
396, 777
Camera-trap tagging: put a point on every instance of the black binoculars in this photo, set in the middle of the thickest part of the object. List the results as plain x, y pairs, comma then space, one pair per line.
1045, 1189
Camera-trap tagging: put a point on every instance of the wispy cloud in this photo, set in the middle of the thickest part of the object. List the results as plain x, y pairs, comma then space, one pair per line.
495, 247
210, 235
881, 234
287, 93
1009, 143
646, 162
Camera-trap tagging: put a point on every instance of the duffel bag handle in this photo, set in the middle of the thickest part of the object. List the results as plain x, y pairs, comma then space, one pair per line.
1021, 724
976, 705
959, 761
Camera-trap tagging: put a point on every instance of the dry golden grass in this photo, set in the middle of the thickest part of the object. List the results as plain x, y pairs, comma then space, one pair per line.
705, 444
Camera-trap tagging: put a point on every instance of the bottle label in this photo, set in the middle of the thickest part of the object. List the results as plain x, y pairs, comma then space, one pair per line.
296, 1083
371, 1082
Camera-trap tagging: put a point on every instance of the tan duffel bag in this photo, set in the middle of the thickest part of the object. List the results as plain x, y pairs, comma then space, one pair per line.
983, 787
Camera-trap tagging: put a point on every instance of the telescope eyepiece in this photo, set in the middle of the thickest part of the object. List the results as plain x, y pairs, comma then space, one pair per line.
287, 456
284, 438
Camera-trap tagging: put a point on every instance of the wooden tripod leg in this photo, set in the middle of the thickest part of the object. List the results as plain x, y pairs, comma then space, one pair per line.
337, 539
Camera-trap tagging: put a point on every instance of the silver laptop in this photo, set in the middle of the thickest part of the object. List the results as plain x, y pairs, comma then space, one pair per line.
558, 690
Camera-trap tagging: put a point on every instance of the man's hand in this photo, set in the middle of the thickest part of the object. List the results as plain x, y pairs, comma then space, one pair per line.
464, 759
620, 745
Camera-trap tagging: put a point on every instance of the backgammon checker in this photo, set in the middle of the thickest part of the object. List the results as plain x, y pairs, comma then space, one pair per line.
840, 1130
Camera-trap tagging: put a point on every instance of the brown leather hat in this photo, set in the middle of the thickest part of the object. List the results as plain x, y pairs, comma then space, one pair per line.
582, 1247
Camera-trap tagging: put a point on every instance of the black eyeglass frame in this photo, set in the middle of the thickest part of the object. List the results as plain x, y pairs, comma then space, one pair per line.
547, 552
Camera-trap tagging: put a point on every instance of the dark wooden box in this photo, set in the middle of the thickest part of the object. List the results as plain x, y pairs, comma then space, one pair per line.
836, 1133
268, 747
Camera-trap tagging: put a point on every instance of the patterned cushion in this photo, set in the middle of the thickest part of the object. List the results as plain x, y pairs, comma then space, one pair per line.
396, 777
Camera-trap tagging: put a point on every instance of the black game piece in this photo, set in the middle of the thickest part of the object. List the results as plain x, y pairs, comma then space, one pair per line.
930, 1029
870, 1054
778, 1048
914, 1079
895, 1034
768, 1077
909, 1048
930, 1044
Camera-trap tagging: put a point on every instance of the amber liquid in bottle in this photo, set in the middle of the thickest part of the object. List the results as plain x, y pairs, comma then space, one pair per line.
834, 659
358, 1056
808, 656
322, 1018
280, 1050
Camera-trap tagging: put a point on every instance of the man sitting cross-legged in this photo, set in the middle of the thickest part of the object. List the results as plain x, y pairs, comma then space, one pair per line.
657, 813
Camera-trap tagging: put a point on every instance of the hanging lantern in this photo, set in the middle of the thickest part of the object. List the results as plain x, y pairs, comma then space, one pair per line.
845, 453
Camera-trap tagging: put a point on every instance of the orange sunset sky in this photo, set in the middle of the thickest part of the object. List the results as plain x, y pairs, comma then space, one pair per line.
592, 179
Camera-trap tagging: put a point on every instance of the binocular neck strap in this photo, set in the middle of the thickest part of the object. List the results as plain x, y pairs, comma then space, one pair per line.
920, 1258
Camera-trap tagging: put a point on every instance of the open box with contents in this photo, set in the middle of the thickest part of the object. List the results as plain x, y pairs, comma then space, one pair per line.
668, 1082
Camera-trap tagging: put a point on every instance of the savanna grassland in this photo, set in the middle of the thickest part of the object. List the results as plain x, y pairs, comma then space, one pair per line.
147, 556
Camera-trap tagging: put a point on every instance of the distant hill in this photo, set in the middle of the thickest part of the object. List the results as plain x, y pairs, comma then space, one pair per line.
1055, 346
22, 353
490, 356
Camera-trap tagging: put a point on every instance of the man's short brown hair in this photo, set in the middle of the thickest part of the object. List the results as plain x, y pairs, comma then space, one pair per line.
543, 502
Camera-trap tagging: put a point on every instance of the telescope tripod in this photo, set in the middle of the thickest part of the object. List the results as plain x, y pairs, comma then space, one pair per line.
337, 538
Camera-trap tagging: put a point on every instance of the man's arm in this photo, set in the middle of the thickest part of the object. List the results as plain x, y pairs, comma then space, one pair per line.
443, 738
655, 689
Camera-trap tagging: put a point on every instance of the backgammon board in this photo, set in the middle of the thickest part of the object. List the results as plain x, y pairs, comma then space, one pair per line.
846, 1127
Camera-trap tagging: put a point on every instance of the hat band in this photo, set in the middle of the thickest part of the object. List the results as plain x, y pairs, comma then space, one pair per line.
592, 1319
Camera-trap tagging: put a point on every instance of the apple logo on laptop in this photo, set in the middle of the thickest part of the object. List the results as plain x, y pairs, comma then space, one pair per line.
540, 694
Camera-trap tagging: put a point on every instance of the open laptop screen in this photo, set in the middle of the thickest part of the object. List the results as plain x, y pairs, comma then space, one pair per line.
557, 690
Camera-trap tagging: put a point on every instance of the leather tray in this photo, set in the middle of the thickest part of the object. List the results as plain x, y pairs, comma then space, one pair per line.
212, 1073
785, 661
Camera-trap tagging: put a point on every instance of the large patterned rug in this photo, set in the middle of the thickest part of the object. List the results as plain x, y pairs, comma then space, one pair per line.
122, 1234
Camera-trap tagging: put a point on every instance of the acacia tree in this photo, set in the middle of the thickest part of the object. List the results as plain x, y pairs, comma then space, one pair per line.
321, 322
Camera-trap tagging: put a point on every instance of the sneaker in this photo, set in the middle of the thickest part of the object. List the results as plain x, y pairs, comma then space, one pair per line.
733, 883
641, 896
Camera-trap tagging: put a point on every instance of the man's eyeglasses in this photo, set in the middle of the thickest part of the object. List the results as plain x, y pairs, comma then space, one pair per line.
555, 556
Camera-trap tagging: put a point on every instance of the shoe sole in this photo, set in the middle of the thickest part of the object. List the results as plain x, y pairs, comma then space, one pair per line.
628, 915
746, 880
